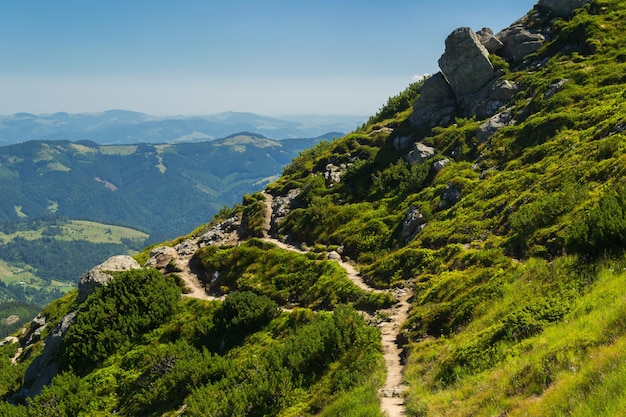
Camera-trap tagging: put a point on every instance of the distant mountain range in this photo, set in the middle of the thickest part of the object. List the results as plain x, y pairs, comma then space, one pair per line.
128, 127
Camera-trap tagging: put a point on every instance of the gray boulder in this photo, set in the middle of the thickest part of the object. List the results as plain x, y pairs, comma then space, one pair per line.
554, 88
333, 173
334, 256
491, 126
161, 256
282, 206
519, 42
434, 106
413, 223
440, 165
420, 153
465, 62
489, 99
101, 274
488, 40
562, 8
451, 196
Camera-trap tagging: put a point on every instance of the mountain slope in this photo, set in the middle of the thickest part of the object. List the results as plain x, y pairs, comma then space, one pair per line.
497, 199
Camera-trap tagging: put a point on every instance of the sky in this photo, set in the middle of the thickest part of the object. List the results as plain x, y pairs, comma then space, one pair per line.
192, 57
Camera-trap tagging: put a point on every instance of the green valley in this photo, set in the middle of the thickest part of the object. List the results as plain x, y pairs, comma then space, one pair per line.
462, 253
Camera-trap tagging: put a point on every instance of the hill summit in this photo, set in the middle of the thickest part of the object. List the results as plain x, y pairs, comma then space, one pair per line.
460, 254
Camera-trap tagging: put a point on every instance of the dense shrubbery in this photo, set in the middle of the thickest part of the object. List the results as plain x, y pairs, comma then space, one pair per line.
284, 276
242, 313
398, 103
254, 214
302, 361
602, 227
131, 304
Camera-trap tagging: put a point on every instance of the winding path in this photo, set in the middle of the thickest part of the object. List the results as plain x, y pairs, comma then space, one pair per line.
392, 394
192, 281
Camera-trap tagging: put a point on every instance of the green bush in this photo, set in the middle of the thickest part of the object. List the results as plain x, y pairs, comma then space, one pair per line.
602, 227
398, 103
242, 313
131, 304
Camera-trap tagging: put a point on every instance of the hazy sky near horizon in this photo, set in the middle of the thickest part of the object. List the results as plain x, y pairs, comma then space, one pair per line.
203, 56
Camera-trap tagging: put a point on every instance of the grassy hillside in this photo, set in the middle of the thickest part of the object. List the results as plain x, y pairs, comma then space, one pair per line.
519, 284
513, 248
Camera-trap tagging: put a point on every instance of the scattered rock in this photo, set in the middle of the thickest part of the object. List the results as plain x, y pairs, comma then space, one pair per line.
554, 88
161, 256
413, 223
101, 274
491, 126
186, 247
562, 8
223, 233
420, 153
440, 165
451, 196
395, 392
465, 62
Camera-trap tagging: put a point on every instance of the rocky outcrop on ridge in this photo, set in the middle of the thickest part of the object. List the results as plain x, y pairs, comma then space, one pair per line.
468, 85
103, 273
465, 63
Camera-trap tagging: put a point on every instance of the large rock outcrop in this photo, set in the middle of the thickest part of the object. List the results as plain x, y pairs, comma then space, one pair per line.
562, 8
101, 274
467, 85
435, 105
518, 42
465, 63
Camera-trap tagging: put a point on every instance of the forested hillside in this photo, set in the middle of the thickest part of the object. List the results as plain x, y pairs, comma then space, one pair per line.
164, 190
460, 254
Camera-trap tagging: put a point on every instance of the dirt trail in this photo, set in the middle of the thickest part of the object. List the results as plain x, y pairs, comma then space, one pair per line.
192, 282
16, 356
392, 394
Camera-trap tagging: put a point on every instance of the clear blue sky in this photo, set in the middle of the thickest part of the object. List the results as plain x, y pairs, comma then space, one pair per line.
203, 56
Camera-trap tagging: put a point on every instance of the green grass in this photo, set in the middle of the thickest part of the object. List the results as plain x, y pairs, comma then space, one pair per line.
99, 233
11, 274
569, 368
80, 230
